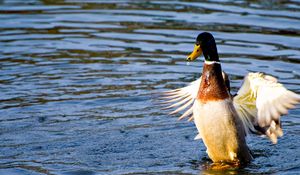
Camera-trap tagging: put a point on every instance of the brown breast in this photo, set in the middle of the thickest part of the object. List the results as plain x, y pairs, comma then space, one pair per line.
212, 85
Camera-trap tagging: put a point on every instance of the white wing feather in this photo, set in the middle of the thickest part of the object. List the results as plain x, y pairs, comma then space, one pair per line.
261, 101
182, 98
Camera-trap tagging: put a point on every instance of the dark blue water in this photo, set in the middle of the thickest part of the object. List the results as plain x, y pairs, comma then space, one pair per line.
78, 82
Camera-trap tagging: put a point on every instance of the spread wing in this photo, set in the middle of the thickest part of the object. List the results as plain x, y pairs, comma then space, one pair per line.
260, 103
182, 99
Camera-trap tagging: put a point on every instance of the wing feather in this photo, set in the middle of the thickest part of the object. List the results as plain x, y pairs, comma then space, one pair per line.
182, 99
260, 103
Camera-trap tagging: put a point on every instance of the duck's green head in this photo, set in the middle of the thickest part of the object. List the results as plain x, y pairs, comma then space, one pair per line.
205, 43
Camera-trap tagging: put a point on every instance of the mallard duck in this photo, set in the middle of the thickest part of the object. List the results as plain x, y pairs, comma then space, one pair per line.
223, 120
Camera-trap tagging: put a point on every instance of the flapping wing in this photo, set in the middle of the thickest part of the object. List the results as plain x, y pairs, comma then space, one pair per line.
182, 99
260, 103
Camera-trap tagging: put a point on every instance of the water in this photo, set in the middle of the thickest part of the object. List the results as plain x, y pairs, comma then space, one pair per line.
78, 77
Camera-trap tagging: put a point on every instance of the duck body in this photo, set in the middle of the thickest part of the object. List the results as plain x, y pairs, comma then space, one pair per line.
217, 120
220, 131
223, 121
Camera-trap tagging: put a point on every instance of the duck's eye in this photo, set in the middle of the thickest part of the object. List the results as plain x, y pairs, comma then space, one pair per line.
197, 44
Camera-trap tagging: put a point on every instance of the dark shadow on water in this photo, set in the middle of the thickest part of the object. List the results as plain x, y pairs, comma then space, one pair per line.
79, 172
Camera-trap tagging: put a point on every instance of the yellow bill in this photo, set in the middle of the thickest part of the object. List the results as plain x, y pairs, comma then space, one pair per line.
195, 54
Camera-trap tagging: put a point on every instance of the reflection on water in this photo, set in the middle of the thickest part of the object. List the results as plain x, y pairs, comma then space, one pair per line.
77, 79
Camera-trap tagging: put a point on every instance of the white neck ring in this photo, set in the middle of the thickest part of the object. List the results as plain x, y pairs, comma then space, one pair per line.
212, 62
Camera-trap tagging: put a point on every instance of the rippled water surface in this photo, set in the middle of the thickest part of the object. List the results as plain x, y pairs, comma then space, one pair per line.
77, 81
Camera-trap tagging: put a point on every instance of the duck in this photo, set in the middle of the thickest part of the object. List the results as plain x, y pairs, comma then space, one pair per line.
223, 120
